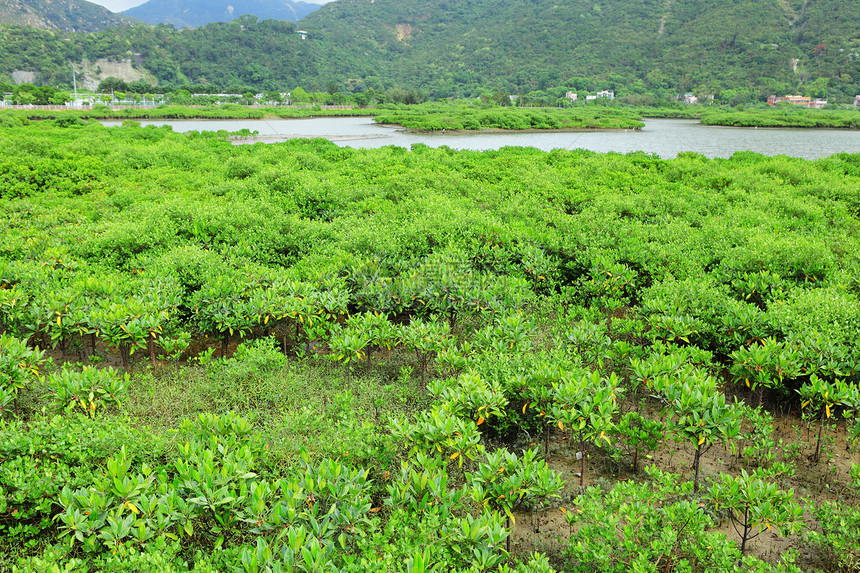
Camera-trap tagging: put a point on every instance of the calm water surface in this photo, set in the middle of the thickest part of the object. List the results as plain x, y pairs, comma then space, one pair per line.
663, 137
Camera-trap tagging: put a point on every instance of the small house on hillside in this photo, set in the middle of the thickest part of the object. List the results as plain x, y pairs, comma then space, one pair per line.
857, 101
802, 101
303, 34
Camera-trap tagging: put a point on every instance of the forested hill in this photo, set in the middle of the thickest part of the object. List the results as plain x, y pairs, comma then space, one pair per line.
193, 13
64, 15
684, 45
740, 50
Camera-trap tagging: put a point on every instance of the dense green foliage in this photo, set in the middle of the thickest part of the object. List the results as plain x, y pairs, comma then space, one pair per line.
643, 50
785, 117
354, 360
437, 118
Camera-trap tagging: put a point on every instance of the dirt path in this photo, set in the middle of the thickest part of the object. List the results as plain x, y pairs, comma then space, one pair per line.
666, 10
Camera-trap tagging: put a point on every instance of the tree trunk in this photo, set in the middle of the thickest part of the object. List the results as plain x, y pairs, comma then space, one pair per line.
582, 463
151, 344
546, 438
746, 530
696, 460
510, 533
815, 457
123, 354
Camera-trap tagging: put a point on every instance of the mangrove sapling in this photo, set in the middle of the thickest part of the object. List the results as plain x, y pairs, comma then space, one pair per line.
637, 435
590, 343
700, 414
754, 503
652, 525
426, 339
454, 358
505, 482
821, 396
585, 404
19, 367
837, 541
471, 396
174, 347
744, 323
851, 401
347, 345
765, 365
437, 432
756, 444
6, 397
538, 389
759, 288
376, 328
87, 390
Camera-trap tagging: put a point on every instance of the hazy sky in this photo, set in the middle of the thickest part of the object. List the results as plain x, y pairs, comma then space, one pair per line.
120, 5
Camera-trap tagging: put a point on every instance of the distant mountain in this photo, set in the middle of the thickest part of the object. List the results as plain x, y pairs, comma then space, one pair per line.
64, 15
196, 13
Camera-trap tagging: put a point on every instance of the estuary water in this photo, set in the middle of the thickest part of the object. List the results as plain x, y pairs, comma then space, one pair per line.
663, 137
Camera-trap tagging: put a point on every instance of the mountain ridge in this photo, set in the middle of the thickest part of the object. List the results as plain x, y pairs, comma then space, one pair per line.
196, 13
61, 15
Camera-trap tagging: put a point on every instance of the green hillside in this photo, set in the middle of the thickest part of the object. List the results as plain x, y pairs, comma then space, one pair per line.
63, 15
741, 50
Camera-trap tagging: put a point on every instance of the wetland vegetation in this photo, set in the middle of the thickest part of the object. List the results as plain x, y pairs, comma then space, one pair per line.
301, 357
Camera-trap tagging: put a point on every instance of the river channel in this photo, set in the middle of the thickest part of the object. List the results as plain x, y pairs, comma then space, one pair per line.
663, 137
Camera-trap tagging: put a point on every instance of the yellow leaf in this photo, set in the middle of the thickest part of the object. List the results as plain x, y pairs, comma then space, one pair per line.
560, 425
827, 408
563, 510
59, 320
480, 420
805, 404
526, 405
747, 380
266, 320
455, 455
701, 440
132, 507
